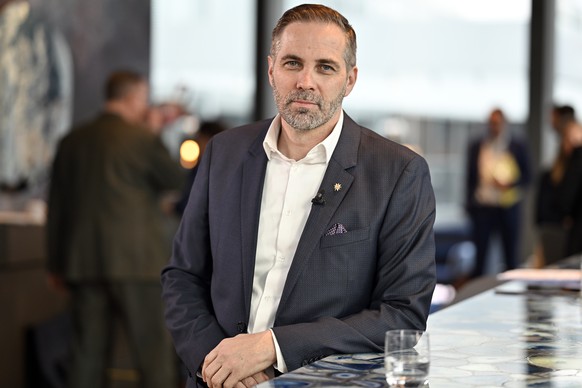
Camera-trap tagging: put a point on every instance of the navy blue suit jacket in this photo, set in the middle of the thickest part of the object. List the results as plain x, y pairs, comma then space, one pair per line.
342, 291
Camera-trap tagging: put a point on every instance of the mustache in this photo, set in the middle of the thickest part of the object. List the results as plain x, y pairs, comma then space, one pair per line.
303, 95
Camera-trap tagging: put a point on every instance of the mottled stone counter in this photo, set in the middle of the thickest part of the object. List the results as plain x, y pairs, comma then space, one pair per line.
507, 337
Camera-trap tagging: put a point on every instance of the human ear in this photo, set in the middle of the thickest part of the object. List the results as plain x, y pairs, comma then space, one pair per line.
352, 77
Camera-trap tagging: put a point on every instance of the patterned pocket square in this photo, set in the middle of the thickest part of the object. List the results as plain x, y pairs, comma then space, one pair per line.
336, 229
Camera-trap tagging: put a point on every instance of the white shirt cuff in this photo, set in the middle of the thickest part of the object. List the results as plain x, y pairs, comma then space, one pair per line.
280, 365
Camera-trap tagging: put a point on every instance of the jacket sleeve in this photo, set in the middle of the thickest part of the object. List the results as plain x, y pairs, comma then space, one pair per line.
403, 286
186, 279
165, 172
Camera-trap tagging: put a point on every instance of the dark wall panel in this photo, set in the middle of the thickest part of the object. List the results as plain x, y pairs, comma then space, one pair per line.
103, 35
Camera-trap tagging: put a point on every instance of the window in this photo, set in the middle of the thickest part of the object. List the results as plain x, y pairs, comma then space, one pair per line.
203, 55
568, 60
431, 71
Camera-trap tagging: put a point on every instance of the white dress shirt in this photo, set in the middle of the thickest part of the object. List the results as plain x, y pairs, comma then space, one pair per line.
285, 205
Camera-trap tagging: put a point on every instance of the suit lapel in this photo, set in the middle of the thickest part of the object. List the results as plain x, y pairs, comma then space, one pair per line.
344, 157
253, 176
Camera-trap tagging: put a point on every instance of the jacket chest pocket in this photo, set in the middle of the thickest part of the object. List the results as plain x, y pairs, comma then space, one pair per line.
348, 237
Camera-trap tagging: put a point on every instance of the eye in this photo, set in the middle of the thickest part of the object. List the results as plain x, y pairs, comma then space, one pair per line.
327, 68
292, 64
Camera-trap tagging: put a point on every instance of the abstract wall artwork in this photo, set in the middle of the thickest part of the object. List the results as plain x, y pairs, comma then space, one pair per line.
35, 95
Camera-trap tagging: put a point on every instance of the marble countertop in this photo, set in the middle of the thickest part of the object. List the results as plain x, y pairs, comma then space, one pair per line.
512, 336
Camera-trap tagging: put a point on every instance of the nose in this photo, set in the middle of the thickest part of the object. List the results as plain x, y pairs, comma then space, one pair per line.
305, 80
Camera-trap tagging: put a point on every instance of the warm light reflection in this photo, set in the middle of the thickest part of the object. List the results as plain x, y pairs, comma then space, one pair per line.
189, 153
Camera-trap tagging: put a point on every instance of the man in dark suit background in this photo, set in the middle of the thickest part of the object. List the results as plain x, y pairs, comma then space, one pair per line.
106, 238
305, 235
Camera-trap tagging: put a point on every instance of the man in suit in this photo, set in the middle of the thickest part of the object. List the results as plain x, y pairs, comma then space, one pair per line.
305, 235
498, 172
106, 238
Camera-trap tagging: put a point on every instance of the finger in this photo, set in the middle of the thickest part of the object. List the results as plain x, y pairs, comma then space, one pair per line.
249, 382
209, 371
219, 378
260, 377
209, 358
234, 378
210, 366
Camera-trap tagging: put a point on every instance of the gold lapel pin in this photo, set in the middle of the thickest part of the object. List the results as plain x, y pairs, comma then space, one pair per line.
337, 186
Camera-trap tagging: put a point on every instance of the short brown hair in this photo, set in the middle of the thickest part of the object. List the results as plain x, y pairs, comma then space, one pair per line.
565, 112
316, 13
120, 82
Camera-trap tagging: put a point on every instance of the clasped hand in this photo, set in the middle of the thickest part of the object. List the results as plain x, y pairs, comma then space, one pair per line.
239, 361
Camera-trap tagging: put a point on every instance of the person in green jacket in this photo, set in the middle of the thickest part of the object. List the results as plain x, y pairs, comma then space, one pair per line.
106, 242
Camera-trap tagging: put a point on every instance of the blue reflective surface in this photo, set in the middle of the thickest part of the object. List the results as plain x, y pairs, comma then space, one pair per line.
511, 337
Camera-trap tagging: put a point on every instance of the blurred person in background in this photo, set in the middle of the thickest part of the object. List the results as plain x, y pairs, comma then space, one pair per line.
154, 119
567, 179
105, 237
550, 219
498, 172
569, 133
159, 117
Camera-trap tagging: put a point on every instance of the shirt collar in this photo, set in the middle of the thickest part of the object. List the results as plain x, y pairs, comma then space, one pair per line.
328, 144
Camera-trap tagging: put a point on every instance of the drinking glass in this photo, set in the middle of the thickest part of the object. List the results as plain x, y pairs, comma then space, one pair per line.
406, 358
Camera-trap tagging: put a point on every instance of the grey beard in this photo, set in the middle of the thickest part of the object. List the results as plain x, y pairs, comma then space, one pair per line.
304, 119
